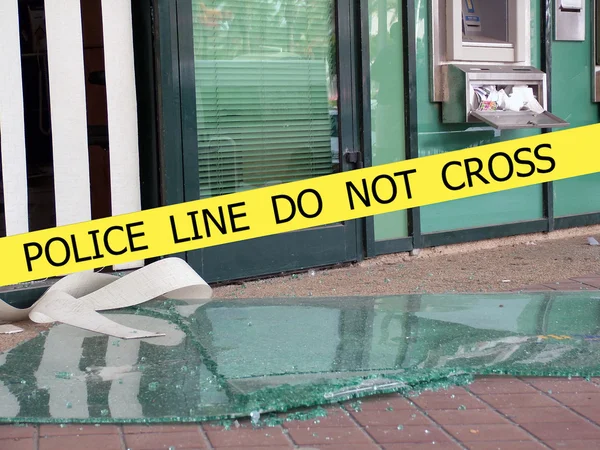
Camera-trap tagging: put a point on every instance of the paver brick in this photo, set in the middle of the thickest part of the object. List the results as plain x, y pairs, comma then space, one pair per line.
555, 414
591, 413
518, 400
151, 441
241, 437
578, 399
382, 402
487, 432
408, 434
509, 386
328, 436
534, 288
564, 431
342, 447
87, 442
451, 399
574, 445
593, 281
135, 429
561, 386
335, 418
14, 432
468, 416
569, 285
390, 418
276, 447
506, 445
424, 446
496, 378
77, 430
17, 444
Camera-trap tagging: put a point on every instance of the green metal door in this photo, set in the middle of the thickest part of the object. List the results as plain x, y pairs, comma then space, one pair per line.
268, 91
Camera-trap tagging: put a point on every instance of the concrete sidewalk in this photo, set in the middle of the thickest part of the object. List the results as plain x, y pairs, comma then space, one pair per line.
492, 413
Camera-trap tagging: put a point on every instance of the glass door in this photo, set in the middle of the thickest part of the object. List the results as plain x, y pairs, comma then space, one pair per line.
271, 105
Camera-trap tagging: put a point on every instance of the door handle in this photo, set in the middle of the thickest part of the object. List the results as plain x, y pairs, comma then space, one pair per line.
354, 157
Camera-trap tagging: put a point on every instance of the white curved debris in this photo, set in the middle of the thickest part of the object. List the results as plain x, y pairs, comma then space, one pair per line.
77, 298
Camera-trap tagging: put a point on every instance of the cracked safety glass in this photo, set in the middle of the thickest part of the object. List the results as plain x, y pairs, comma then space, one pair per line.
229, 359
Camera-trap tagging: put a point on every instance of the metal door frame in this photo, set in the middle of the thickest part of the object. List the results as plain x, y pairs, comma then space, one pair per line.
177, 129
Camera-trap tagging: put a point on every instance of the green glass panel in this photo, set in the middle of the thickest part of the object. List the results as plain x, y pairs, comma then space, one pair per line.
226, 359
572, 100
387, 101
266, 92
436, 137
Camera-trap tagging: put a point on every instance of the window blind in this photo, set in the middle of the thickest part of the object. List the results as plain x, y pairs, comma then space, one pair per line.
262, 77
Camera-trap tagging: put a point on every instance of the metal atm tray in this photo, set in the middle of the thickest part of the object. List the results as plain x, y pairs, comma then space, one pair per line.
504, 120
459, 106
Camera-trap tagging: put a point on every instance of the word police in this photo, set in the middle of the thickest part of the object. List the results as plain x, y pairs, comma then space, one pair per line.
58, 251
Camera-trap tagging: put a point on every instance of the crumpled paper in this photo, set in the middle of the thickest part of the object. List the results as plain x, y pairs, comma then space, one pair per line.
77, 298
525, 95
520, 98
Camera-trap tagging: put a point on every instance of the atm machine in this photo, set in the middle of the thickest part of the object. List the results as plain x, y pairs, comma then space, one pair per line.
481, 65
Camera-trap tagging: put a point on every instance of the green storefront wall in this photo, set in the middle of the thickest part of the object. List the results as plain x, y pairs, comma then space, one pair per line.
572, 99
570, 94
434, 137
529, 209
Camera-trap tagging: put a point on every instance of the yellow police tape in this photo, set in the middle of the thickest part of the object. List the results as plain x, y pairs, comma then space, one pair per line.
301, 204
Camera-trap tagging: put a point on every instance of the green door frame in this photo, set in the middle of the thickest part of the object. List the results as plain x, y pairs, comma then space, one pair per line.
179, 175
413, 240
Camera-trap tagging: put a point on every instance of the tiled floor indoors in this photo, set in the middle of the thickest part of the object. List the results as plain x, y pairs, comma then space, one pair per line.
492, 413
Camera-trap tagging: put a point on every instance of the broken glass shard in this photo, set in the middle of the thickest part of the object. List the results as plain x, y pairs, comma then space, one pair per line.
299, 352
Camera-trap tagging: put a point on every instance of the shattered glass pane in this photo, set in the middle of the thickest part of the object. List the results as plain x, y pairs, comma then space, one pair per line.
229, 359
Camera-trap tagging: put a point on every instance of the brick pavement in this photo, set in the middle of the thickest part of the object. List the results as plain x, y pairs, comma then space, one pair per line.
492, 413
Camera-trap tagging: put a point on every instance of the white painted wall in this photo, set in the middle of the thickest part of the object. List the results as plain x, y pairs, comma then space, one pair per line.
12, 122
122, 109
68, 111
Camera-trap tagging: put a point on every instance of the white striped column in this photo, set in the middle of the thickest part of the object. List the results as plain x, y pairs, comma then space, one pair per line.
12, 122
68, 111
122, 110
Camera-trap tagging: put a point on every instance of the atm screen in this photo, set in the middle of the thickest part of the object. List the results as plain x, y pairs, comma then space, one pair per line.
485, 22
